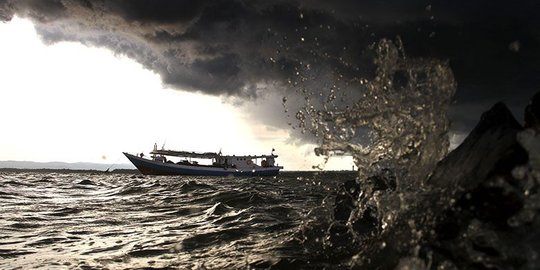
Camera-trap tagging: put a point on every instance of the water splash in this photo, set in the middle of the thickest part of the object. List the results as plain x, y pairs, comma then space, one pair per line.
395, 125
398, 121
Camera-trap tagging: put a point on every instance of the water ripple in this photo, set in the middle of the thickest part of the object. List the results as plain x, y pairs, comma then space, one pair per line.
116, 221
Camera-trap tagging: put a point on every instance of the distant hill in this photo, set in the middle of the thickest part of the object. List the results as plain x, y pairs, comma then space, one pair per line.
62, 165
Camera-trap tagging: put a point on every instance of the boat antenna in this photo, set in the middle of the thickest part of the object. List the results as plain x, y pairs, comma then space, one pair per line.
163, 146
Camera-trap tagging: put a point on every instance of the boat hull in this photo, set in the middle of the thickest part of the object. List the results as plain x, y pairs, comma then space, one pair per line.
151, 167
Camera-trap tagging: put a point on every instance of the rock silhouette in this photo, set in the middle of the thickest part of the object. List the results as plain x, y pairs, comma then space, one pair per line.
479, 209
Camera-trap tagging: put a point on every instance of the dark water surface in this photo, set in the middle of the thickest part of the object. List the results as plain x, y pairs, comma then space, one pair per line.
119, 221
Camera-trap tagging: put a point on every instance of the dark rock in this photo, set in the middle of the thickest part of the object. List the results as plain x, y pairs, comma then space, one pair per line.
349, 191
368, 222
345, 200
289, 263
385, 180
532, 112
490, 147
471, 192
478, 177
493, 205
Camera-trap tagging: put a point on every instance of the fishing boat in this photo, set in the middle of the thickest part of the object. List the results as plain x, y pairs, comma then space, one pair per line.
161, 162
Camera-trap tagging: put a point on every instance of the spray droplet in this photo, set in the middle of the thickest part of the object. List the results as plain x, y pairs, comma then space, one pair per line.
514, 46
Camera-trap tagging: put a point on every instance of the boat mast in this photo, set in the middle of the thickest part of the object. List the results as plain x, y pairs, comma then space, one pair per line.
154, 152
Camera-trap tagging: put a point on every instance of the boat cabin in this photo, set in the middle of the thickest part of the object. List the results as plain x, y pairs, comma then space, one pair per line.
215, 159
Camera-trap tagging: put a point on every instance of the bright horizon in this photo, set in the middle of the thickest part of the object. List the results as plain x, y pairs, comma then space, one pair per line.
71, 103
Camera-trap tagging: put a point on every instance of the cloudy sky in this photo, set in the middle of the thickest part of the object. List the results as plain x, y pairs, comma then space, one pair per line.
82, 79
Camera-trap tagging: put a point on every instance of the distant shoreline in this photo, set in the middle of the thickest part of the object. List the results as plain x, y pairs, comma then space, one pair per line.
44, 170
135, 171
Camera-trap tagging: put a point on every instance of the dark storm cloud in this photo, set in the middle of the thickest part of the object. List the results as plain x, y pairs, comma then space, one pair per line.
233, 47
156, 11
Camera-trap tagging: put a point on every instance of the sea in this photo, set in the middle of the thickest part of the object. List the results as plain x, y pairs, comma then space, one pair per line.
130, 221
